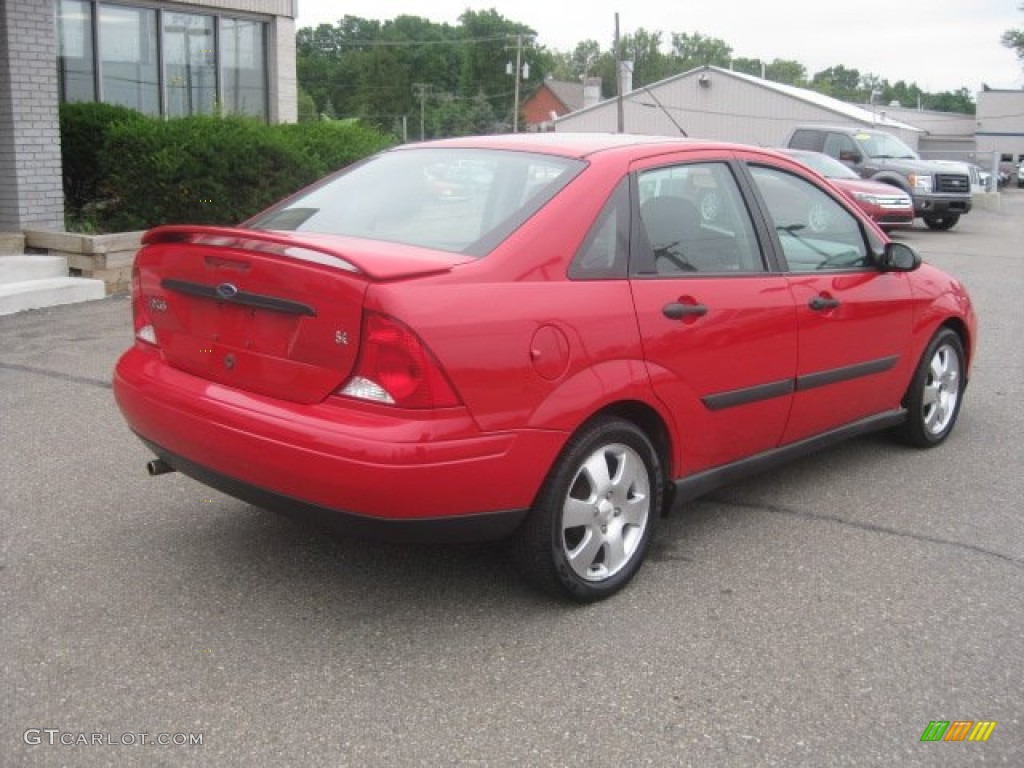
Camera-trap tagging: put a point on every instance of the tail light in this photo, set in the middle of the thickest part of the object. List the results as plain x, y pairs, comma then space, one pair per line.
396, 368
144, 330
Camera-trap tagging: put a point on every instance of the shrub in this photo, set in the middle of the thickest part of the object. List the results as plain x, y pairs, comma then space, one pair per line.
217, 170
83, 131
333, 144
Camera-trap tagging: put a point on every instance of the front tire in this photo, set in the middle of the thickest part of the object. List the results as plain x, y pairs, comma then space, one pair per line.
942, 223
592, 523
936, 391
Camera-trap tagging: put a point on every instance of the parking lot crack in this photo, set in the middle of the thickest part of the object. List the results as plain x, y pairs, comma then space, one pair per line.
56, 375
873, 527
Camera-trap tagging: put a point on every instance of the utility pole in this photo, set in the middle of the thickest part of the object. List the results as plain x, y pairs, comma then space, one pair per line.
618, 78
516, 73
421, 91
519, 70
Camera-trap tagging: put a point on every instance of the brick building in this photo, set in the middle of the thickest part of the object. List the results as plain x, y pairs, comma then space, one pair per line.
555, 98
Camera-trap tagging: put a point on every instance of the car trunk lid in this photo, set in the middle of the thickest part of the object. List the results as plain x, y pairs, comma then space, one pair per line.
276, 313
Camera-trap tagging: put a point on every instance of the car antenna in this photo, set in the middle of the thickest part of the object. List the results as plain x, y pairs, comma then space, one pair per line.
667, 113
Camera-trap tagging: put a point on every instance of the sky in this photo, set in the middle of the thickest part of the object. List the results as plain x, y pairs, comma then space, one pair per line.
942, 45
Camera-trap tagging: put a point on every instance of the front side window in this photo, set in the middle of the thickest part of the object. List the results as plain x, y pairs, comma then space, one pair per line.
460, 200
128, 56
841, 147
694, 220
814, 230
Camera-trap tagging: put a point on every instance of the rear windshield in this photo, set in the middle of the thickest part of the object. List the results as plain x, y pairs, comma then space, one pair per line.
827, 166
460, 200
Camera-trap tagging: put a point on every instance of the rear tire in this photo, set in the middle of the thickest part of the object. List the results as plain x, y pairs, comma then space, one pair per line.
942, 223
936, 391
592, 523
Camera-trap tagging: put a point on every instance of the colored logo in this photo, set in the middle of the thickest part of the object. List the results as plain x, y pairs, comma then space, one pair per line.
958, 730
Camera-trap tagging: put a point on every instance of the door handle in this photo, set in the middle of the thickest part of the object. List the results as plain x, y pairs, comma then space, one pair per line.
819, 303
675, 310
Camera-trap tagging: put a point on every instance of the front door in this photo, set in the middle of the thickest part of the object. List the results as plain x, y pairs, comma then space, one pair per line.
851, 316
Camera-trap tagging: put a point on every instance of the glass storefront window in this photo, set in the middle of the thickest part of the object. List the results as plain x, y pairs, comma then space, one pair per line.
113, 52
76, 69
190, 64
244, 82
128, 58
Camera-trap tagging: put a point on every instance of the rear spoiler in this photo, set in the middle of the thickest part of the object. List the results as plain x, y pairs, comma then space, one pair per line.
261, 240
372, 259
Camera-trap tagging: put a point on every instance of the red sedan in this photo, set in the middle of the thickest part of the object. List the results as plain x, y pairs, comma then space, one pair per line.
559, 356
888, 206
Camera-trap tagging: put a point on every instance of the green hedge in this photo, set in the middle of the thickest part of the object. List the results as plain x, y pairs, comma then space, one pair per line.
83, 131
146, 171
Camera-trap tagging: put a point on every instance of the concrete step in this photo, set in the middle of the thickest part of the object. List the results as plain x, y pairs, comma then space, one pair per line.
18, 269
48, 292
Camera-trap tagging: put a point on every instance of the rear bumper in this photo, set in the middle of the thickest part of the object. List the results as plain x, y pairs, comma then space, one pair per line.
360, 469
487, 526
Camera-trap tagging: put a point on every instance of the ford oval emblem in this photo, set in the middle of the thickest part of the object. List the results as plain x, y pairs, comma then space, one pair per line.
226, 290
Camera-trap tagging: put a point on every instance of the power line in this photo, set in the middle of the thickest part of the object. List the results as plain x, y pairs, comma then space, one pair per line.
409, 43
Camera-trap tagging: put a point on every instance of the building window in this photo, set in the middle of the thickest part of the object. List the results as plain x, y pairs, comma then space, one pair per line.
244, 79
190, 69
76, 69
128, 58
160, 61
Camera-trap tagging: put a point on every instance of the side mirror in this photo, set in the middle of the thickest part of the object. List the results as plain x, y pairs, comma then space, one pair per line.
849, 156
898, 257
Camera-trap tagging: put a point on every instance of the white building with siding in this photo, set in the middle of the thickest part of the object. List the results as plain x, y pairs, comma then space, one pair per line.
714, 103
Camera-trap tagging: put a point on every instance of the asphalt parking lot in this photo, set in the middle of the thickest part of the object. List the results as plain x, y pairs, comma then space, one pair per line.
822, 615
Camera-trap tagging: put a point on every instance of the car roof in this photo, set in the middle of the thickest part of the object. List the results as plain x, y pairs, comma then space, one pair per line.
849, 129
576, 145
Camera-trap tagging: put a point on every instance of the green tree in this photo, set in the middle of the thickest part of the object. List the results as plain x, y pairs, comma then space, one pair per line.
839, 82
306, 107
1014, 38
643, 48
696, 50
787, 71
746, 66
906, 95
584, 58
951, 101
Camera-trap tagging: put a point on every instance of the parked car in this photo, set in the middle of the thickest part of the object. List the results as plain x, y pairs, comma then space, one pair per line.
559, 358
1020, 175
941, 195
888, 206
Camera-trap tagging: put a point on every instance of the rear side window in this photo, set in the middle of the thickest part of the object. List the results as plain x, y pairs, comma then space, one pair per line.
815, 231
605, 250
805, 139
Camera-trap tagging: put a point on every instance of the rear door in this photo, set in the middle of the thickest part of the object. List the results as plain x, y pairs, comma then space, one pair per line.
718, 326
